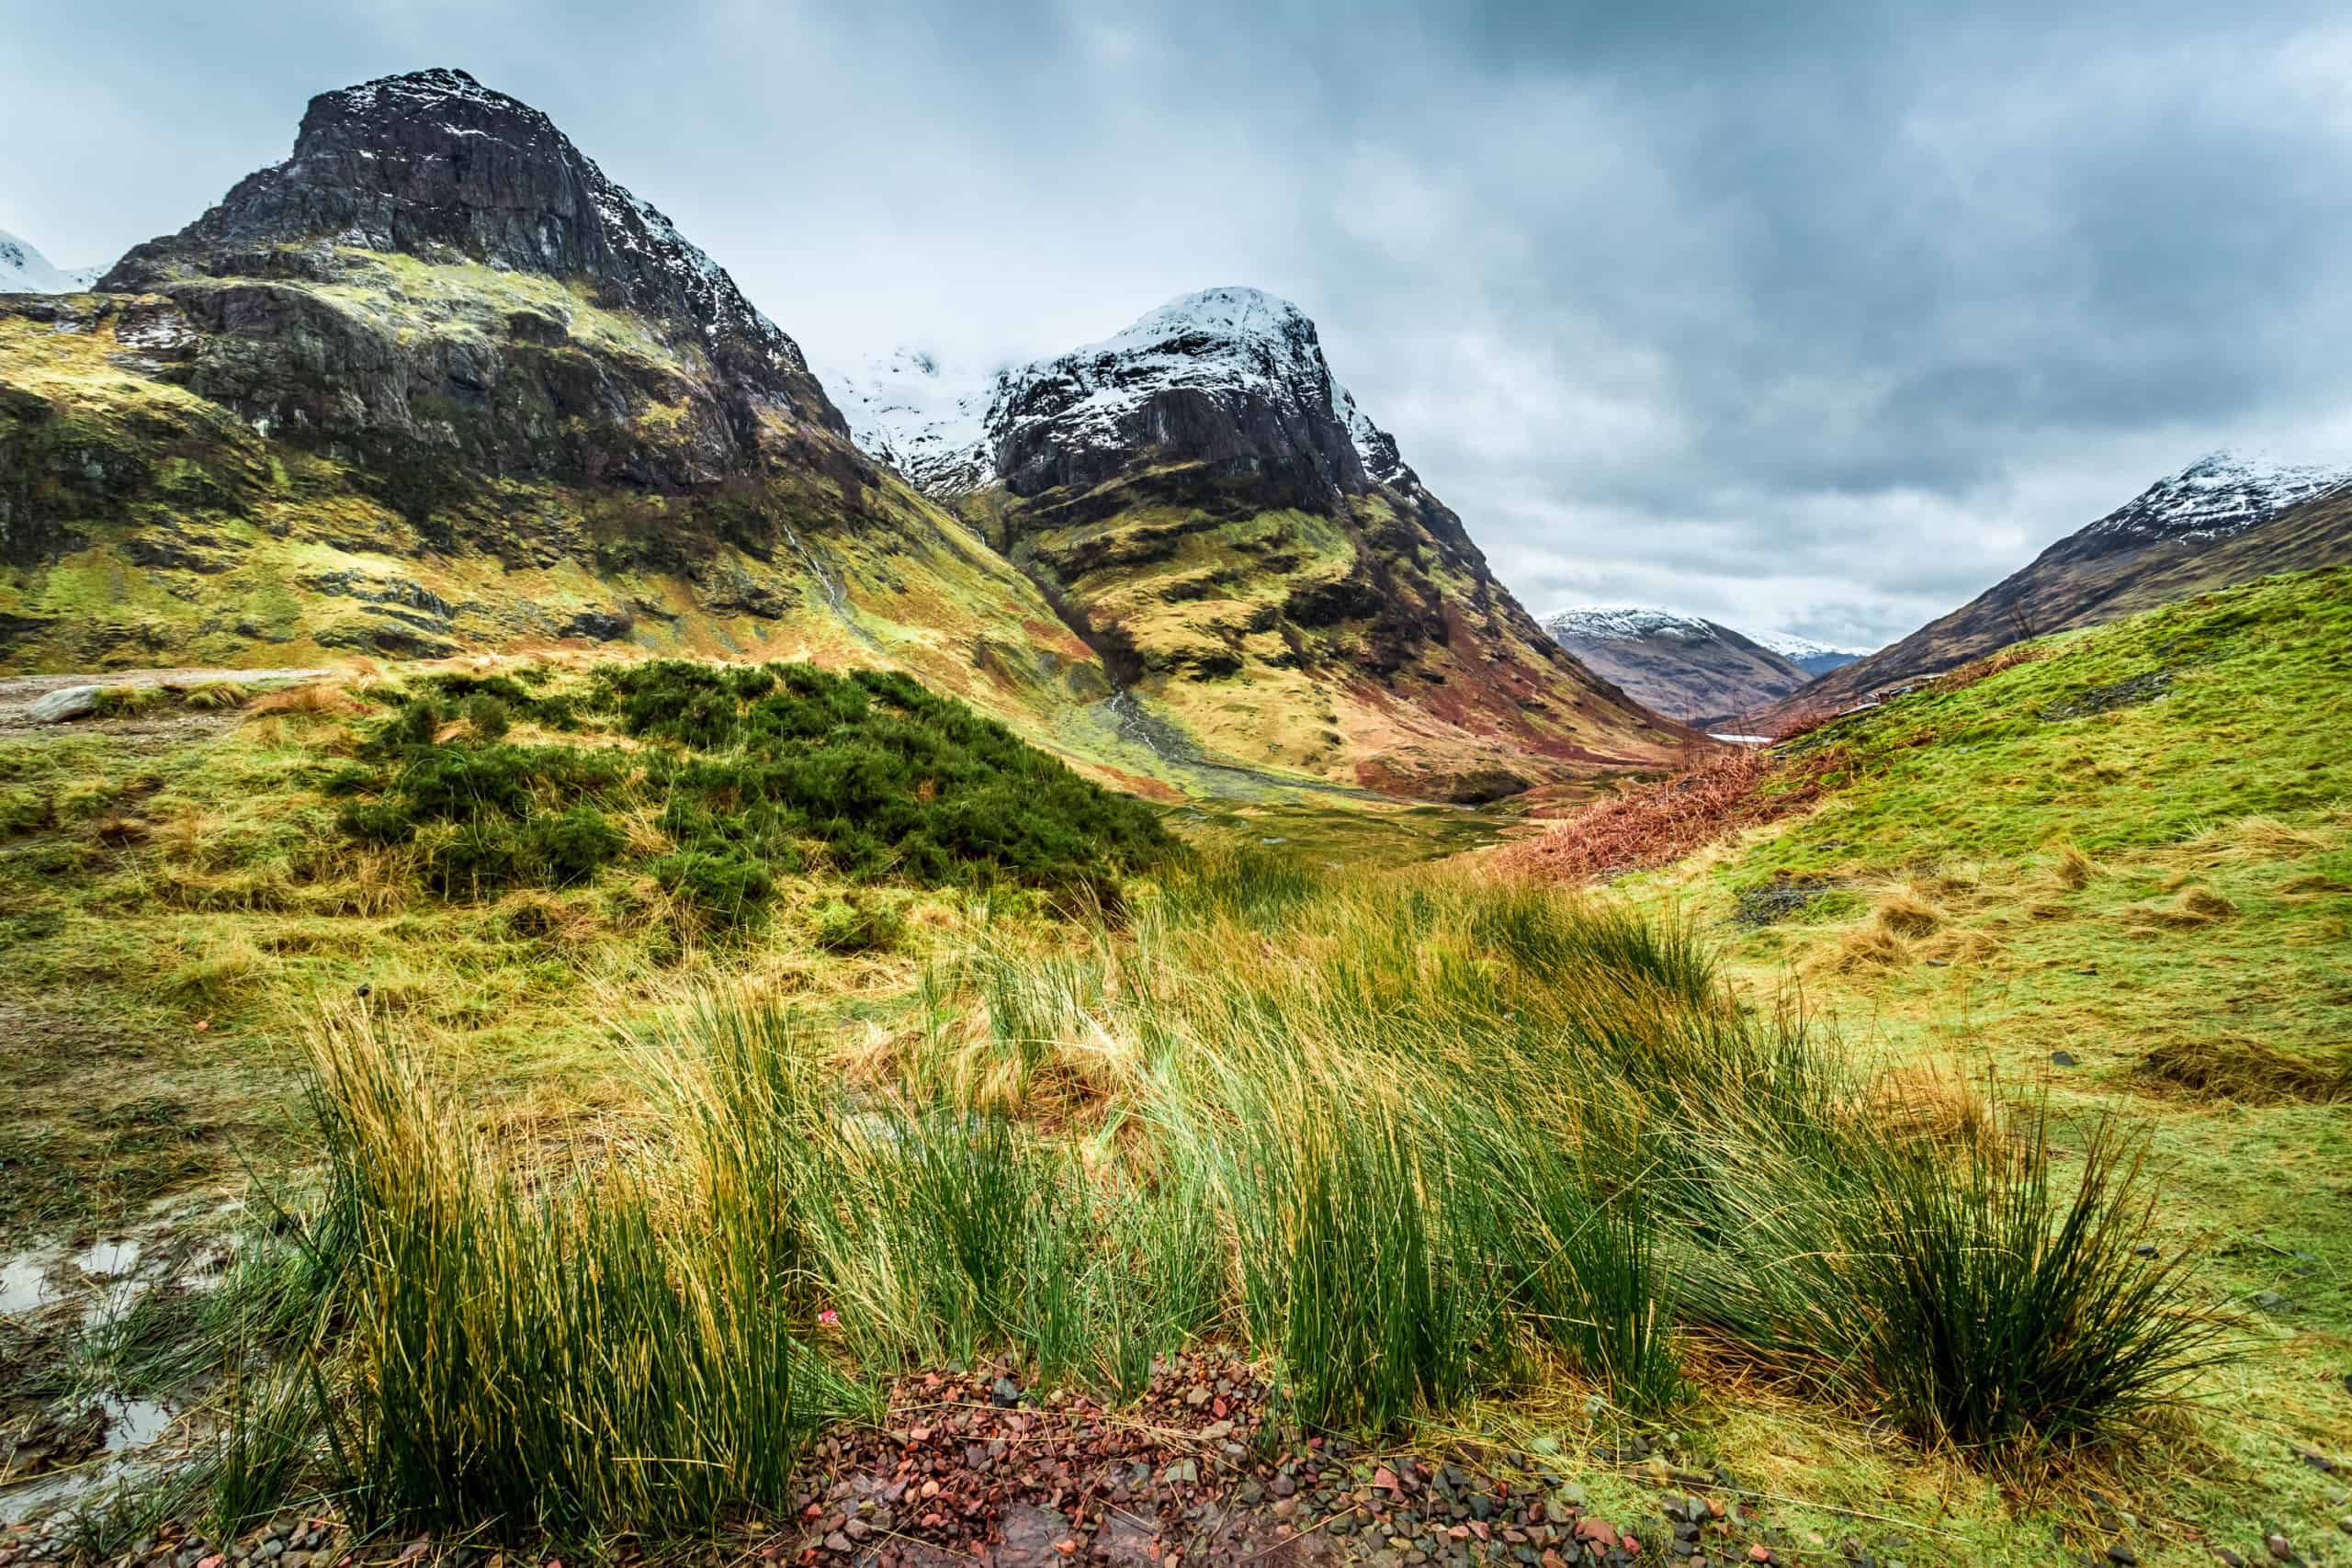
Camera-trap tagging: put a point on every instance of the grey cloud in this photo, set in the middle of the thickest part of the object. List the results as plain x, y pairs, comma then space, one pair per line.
1815, 318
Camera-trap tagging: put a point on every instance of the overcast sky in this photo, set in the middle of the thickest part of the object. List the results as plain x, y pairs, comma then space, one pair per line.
1818, 322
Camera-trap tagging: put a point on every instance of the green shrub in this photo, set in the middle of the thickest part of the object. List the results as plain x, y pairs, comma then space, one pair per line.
570, 847
488, 717
756, 770
725, 887
861, 925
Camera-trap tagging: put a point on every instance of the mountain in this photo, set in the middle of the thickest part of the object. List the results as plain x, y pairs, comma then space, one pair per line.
2222, 519
435, 384
1685, 666
1812, 658
1252, 558
24, 270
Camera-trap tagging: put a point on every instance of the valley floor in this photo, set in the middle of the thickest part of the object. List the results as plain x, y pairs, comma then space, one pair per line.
2106, 889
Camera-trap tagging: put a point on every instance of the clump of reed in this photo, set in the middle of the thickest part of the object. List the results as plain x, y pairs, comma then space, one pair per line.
1414, 1139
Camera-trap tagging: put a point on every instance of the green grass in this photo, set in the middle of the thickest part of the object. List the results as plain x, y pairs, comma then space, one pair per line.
2138, 913
1416, 1141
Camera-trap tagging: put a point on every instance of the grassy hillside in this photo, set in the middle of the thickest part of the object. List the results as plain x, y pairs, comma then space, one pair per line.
2081, 582
1363, 642
156, 519
2112, 871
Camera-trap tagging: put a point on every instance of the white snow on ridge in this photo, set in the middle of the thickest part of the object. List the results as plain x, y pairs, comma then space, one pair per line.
2221, 494
943, 429
1626, 623
929, 423
1789, 646
24, 270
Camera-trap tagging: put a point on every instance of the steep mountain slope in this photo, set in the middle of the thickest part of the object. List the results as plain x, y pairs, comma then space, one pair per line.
24, 270
1683, 666
1254, 559
2223, 520
435, 383
1812, 658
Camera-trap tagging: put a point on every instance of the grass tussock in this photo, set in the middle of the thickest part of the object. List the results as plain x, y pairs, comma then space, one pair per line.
2248, 1071
583, 1348
1408, 1137
2190, 908
2071, 869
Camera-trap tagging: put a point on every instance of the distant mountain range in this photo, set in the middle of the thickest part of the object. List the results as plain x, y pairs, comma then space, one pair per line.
1685, 666
2222, 519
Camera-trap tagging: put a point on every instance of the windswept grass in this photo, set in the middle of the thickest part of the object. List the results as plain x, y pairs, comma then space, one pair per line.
1415, 1140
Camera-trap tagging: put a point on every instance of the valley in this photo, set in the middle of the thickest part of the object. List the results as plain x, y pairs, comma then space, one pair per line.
623, 948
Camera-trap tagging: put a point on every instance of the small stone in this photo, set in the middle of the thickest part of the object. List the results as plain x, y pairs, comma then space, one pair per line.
1006, 1394
1760, 1552
2062, 1058
66, 702
2123, 1556
2271, 1300
2145, 1249
2279, 1546
839, 1544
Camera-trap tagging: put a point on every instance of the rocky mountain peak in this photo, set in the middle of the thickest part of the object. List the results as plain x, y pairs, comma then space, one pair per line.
1231, 377
434, 165
2218, 496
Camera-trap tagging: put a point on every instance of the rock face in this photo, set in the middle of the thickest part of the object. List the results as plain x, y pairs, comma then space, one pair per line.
2222, 519
436, 166
435, 383
1207, 505
1685, 666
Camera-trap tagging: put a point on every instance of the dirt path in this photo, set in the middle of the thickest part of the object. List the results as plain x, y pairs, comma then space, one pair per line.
19, 693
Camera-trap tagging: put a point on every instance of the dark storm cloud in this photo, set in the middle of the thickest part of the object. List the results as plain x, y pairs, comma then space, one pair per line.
1818, 317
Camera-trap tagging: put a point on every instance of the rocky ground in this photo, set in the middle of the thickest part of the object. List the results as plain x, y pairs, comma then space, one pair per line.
972, 1467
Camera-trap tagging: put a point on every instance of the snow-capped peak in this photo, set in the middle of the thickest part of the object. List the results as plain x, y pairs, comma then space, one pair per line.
2219, 495
1622, 623
947, 431
1803, 647
24, 270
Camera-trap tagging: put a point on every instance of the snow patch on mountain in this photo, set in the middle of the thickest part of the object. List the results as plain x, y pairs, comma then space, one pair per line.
944, 430
1803, 648
24, 270
1626, 623
2219, 495
927, 420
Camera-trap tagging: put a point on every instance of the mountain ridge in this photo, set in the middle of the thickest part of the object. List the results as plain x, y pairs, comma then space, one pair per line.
1685, 667
1210, 508
2223, 520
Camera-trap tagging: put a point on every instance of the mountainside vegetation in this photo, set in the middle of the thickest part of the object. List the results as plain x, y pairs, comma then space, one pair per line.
2110, 870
